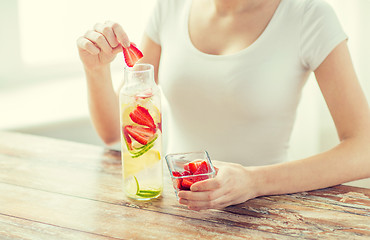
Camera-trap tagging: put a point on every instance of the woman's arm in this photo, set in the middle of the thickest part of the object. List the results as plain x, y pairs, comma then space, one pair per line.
349, 160
97, 49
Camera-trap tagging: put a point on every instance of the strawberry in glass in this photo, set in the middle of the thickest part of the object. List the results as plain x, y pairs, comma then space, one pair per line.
189, 168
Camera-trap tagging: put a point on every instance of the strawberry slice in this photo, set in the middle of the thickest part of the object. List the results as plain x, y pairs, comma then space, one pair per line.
178, 181
202, 168
131, 55
186, 167
194, 165
186, 183
127, 138
191, 174
176, 174
141, 116
140, 134
186, 173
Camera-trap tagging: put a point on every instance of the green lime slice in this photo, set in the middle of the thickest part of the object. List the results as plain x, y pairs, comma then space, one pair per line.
148, 193
145, 193
137, 185
143, 149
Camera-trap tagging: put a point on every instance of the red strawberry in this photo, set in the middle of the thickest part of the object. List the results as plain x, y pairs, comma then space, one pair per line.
186, 167
178, 180
132, 54
127, 138
141, 116
202, 168
191, 174
194, 165
140, 134
176, 174
186, 183
186, 173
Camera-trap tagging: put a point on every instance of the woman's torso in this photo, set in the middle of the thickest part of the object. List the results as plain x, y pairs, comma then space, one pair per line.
240, 105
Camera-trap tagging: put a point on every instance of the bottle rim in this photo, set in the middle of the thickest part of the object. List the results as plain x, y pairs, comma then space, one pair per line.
140, 68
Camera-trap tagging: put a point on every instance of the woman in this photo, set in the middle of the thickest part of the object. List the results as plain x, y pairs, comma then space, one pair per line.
233, 71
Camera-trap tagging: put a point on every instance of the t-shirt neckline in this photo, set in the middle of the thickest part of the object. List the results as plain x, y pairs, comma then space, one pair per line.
249, 48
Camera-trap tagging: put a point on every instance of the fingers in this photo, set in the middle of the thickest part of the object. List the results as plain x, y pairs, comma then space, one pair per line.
217, 203
217, 199
108, 33
104, 37
204, 195
230, 186
207, 185
200, 196
117, 49
119, 33
87, 45
99, 40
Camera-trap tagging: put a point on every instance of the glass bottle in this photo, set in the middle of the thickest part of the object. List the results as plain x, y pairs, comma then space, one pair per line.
141, 133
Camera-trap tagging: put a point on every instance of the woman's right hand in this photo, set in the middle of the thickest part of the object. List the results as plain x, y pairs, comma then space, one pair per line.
98, 47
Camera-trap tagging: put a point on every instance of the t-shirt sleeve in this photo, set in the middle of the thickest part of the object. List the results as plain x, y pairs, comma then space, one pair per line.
153, 27
321, 33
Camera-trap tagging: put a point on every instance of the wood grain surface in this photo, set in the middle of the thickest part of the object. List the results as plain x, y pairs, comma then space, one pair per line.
54, 189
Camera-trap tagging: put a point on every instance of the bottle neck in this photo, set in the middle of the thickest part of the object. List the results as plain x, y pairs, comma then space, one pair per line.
138, 79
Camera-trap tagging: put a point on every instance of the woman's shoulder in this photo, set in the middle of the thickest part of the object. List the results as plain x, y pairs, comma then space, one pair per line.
309, 5
316, 6
310, 11
171, 5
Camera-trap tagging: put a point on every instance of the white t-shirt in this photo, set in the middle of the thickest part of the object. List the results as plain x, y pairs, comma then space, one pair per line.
241, 107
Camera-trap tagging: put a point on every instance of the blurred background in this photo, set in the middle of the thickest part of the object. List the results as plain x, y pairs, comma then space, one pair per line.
42, 85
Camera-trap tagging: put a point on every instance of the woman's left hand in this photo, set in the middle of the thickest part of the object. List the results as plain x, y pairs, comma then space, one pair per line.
233, 184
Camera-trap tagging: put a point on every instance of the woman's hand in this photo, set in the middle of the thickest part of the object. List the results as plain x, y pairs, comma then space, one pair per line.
233, 184
98, 47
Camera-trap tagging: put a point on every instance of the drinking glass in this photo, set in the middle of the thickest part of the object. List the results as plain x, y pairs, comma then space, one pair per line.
184, 176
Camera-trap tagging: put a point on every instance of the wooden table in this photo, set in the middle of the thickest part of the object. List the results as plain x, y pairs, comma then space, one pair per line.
54, 189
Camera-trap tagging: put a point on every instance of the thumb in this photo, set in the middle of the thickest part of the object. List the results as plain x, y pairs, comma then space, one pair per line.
117, 49
216, 169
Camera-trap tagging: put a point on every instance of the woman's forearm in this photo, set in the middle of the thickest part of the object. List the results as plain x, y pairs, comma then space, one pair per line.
348, 161
103, 104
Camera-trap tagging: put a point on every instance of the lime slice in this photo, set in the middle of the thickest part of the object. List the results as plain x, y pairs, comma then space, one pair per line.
146, 193
140, 151
137, 185
133, 165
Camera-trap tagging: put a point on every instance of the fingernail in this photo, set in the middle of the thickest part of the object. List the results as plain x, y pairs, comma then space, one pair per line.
126, 44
